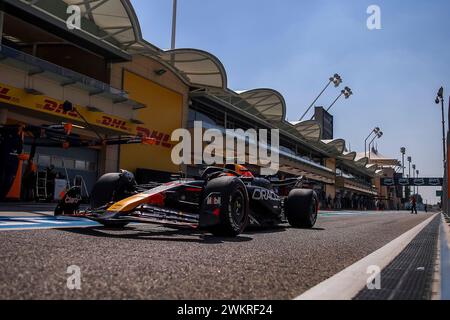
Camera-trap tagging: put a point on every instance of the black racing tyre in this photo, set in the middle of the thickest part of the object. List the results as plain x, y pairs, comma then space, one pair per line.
234, 208
58, 211
110, 187
104, 190
302, 208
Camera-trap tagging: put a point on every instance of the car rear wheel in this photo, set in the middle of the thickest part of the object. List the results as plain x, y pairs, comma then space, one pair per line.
234, 211
302, 208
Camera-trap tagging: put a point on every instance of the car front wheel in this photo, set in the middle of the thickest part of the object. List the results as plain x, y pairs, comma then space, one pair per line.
234, 211
302, 208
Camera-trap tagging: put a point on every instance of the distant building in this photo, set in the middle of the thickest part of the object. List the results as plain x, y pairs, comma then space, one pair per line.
326, 122
390, 196
124, 85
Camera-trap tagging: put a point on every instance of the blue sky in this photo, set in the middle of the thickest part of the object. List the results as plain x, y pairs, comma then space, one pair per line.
294, 46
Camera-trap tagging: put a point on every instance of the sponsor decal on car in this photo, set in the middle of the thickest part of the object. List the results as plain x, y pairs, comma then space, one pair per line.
72, 200
263, 194
214, 199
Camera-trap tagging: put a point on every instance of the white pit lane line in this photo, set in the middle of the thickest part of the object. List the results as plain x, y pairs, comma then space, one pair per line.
348, 283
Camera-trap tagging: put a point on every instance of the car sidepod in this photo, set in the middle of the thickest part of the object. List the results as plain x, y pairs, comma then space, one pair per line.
265, 206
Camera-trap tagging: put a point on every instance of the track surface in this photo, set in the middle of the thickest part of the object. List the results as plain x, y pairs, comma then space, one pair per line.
151, 262
410, 275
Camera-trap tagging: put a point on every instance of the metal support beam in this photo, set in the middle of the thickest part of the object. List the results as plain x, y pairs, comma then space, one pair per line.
35, 72
2, 17
3, 116
95, 92
68, 83
117, 101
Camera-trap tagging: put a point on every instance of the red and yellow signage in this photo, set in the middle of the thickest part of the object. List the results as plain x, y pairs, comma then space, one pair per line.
21, 98
163, 115
51, 106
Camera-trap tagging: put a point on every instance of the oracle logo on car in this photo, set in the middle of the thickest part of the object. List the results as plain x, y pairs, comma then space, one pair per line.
262, 194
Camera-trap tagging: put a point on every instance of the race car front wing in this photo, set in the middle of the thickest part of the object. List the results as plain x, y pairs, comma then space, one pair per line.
149, 214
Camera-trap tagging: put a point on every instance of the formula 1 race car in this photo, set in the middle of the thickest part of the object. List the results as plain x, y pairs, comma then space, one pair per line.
222, 201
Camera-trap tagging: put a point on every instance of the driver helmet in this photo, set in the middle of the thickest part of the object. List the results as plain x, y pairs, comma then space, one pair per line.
244, 171
128, 176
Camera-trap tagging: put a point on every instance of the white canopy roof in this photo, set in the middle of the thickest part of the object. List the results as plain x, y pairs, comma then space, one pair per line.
308, 129
362, 161
372, 168
200, 67
269, 103
335, 146
114, 17
350, 156
109, 21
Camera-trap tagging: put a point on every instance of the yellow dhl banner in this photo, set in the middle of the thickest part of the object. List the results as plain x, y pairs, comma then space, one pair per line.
51, 106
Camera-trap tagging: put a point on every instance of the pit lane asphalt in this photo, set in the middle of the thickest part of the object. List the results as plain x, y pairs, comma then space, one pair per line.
152, 262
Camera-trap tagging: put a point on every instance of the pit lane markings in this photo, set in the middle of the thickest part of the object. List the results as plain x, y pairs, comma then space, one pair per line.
445, 260
346, 284
347, 213
36, 223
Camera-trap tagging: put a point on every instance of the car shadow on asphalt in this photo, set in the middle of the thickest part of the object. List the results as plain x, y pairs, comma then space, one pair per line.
276, 229
253, 230
309, 229
175, 235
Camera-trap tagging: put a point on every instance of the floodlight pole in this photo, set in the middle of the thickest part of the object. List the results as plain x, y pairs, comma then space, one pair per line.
331, 106
365, 143
174, 24
444, 146
376, 131
403, 152
312, 104
417, 176
370, 143
334, 102
403, 164
409, 172
443, 133
440, 98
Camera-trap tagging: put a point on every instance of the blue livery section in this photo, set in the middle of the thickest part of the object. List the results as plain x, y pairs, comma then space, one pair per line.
31, 223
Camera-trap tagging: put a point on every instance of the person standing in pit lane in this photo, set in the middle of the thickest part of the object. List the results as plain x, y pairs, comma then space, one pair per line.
413, 205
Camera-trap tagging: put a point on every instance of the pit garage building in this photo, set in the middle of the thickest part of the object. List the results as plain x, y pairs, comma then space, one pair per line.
124, 85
